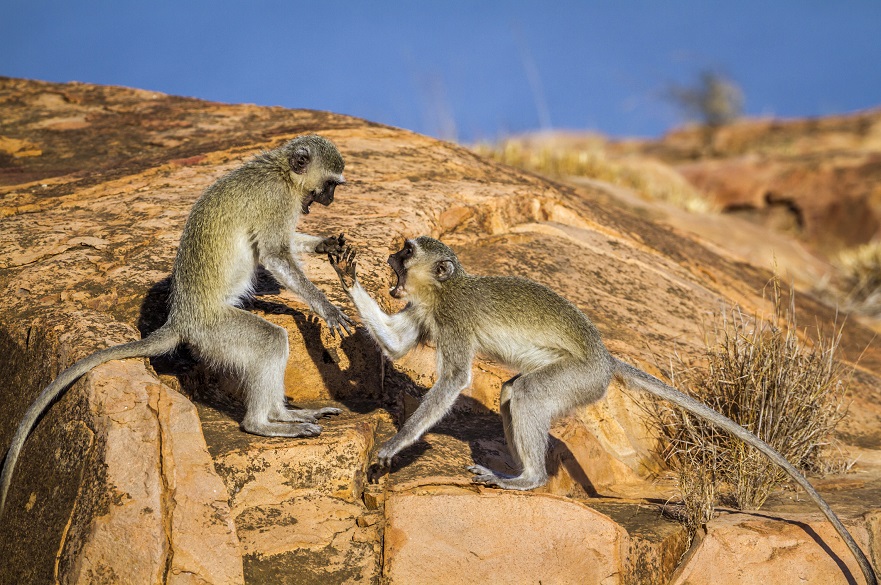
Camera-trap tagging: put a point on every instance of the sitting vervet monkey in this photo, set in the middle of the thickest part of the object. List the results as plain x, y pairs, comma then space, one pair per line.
248, 216
561, 359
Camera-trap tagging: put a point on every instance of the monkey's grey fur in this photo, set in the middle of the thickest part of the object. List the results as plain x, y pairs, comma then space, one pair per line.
246, 217
561, 359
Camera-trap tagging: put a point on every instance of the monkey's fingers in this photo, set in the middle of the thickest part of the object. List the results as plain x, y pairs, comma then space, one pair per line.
341, 274
349, 255
335, 262
375, 472
385, 455
327, 411
344, 323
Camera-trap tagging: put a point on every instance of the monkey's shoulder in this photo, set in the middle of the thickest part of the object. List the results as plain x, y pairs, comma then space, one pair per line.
515, 288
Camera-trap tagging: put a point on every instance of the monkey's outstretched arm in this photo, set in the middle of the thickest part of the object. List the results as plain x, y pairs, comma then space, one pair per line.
395, 334
317, 244
285, 268
453, 376
301, 243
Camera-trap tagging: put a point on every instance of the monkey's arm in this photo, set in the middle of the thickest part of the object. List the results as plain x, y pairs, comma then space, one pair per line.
284, 267
317, 244
454, 375
395, 334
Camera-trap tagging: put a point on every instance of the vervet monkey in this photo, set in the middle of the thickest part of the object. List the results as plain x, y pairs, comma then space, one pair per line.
246, 217
561, 359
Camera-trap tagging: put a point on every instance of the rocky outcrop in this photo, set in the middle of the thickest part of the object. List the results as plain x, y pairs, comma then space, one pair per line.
139, 473
452, 535
816, 179
752, 548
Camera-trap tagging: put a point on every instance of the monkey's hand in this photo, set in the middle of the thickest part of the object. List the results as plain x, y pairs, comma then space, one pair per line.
387, 452
346, 267
331, 245
336, 320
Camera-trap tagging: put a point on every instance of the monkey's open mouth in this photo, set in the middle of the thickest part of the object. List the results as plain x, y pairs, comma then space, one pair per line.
307, 201
397, 291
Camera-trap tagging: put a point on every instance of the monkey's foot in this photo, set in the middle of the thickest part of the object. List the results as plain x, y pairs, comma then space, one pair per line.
481, 471
282, 429
289, 414
311, 415
507, 483
292, 416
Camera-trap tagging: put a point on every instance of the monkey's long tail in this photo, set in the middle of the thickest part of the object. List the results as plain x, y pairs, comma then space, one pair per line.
655, 386
161, 341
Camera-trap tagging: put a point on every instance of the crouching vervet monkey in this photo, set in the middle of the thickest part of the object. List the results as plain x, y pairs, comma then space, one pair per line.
248, 216
561, 359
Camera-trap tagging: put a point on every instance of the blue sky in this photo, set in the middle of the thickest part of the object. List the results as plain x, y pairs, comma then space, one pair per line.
462, 70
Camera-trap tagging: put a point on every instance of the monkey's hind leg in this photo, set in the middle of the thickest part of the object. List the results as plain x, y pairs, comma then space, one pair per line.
505, 414
258, 351
534, 400
528, 423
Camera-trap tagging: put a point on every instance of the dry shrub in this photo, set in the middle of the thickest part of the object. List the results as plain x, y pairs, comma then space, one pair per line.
860, 270
648, 178
765, 377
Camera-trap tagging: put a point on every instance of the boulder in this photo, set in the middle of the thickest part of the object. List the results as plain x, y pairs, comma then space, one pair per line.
757, 548
445, 535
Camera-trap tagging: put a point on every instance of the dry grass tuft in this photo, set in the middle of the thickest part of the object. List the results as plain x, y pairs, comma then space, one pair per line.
860, 270
763, 376
648, 178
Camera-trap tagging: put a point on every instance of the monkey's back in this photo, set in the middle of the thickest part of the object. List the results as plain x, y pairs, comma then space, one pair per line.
218, 255
519, 321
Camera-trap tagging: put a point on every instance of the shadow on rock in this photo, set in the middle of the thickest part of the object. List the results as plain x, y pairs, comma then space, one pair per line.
221, 389
472, 423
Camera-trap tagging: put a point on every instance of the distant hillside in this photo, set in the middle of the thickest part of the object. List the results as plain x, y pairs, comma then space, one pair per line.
819, 179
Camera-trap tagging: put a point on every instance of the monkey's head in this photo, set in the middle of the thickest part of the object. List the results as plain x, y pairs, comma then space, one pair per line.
422, 266
316, 166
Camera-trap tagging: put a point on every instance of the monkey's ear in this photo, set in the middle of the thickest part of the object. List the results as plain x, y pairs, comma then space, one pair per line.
443, 269
300, 161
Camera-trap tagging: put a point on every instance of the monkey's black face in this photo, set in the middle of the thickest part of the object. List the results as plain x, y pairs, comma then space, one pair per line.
396, 261
323, 196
